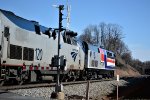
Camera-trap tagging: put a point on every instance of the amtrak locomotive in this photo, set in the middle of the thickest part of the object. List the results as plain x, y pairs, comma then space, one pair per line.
27, 50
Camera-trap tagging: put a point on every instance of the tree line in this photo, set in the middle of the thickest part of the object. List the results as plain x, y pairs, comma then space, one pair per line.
110, 36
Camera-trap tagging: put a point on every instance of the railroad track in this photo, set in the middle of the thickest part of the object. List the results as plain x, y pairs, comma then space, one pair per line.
26, 86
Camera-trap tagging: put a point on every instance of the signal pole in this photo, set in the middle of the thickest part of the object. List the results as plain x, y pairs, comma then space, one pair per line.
58, 85
58, 94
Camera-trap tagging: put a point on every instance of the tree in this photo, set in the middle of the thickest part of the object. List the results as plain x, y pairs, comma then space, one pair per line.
90, 34
108, 36
113, 37
146, 64
102, 28
127, 57
137, 64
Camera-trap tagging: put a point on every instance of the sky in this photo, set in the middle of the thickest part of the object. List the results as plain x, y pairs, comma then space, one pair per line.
132, 15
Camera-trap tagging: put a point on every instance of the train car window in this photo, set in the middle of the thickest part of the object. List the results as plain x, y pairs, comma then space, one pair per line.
92, 63
12, 51
54, 34
96, 63
6, 31
90, 53
37, 29
28, 54
68, 41
98, 50
85, 47
15, 52
47, 33
114, 55
74, 42
110, 55
64, 39
31, 54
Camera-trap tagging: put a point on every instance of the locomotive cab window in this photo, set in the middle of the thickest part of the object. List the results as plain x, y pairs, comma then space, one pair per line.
47, 32
74, 41
110, 55
37, 29
68, 41
64, 38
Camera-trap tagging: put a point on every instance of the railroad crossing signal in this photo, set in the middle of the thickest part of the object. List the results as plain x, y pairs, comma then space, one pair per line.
55, 62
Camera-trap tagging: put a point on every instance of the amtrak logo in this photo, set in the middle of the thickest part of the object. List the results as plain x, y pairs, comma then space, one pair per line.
74, 55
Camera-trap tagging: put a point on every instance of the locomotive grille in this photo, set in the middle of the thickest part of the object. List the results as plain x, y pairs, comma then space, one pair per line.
15, 52
28, 54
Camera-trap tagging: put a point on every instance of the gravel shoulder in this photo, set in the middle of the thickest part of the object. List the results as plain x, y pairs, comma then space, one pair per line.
96, 90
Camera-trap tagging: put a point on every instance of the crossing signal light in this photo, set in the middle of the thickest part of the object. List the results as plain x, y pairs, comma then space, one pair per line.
54, 34
61, 7
54, 61
60, 17
71, 33
62, 62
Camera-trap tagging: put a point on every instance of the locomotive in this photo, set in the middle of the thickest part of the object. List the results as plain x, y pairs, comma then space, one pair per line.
27, 50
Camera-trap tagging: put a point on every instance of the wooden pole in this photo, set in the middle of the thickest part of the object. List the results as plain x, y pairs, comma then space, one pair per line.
117, 90
87, 90
117, 85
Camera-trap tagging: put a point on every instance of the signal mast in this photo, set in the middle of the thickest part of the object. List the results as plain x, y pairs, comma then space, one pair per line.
56, 59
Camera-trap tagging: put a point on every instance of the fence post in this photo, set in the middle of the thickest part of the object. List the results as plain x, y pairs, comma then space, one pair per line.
117, 85
87, 90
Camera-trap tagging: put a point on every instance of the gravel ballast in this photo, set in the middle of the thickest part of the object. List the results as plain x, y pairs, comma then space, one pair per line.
96, 89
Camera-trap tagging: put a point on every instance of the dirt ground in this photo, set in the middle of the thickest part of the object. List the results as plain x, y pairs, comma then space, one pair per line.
128, 72
137, 88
